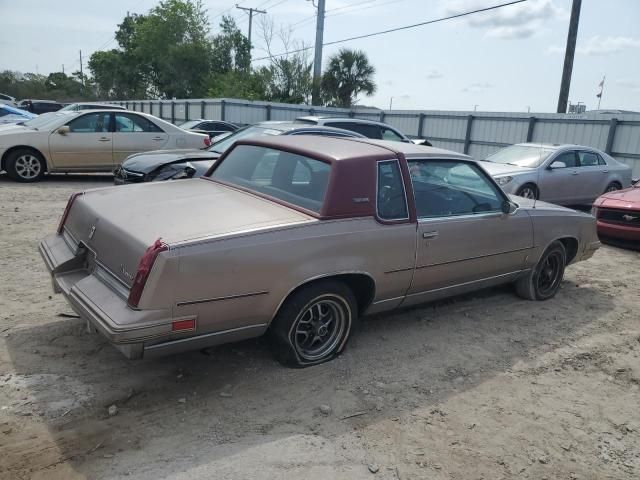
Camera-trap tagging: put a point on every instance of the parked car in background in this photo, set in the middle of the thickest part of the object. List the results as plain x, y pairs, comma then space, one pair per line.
85, 141
618, 216
74, 107
562, 174
7, 100
9, 115
40, 106
178, 164
368, 128
213, 128
297, 237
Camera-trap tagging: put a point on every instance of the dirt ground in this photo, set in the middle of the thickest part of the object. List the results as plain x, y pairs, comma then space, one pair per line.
484, 386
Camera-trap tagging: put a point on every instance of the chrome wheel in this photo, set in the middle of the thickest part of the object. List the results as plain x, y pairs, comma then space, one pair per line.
527, 192
319, 329
612, 188
28, 166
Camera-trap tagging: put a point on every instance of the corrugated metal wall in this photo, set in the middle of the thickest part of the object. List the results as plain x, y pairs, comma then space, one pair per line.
476, 133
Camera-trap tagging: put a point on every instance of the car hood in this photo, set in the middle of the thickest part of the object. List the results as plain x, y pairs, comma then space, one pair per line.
627, 198
499, 169
148, 161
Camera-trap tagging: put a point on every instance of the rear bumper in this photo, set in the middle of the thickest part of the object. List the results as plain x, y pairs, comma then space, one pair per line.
99, 304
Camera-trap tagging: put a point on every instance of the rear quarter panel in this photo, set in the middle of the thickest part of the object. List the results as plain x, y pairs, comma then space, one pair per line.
260, 269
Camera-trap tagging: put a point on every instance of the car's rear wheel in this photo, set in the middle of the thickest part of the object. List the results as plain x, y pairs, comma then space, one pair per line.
26, 165
612, 187
544, 280
314, 324
528, 190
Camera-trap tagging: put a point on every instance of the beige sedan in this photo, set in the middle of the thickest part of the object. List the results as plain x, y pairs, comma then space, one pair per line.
86, 141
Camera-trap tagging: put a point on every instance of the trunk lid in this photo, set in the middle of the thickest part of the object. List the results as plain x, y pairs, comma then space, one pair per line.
119, 223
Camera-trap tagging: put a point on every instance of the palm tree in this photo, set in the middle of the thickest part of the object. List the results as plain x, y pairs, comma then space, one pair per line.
348, 74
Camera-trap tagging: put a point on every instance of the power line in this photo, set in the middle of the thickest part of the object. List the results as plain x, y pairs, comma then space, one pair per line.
405, 27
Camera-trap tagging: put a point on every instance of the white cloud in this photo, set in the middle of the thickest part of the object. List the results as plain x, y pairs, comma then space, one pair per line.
434, 74
512, 22
477, 87
598, 45
629, 83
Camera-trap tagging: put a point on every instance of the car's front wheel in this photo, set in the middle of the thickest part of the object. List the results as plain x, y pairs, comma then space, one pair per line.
528, 190
25, 165
544, 280
314, 324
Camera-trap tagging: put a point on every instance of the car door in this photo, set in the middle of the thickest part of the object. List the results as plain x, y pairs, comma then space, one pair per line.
135, 133
593, 176
87, 145
464, 240
559, 179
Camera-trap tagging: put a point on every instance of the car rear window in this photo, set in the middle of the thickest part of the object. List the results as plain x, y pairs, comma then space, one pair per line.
292, 178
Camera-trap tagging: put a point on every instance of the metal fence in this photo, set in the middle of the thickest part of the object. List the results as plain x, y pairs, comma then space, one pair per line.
475, 133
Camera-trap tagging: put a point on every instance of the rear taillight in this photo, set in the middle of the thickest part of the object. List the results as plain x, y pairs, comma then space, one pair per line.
207, 142
67, 209
144, 268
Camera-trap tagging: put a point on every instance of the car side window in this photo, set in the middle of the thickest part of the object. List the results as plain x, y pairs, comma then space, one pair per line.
446, 188
588, 159
90, 123
568, 158
388, 134
127, 123
391, 199
369, 131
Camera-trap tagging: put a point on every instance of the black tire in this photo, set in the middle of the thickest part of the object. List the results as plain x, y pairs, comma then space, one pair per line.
300, 318
528, 190
612, 187
544, 280
25, 165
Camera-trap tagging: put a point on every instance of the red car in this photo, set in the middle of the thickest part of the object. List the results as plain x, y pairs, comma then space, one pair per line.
618, 215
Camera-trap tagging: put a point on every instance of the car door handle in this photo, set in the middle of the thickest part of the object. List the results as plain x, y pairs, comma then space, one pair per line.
575, 172
605, 171
104, 139
157, 139
429, 234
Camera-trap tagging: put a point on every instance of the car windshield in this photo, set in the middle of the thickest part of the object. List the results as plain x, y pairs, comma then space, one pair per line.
46, 120
521, 156
292, 178
251, 131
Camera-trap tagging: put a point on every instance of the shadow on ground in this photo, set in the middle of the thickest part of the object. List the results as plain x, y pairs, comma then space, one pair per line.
216, 401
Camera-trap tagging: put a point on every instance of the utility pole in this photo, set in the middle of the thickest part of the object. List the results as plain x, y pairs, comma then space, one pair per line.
81, 74
317, 58
568, 56
63, 68
251, 12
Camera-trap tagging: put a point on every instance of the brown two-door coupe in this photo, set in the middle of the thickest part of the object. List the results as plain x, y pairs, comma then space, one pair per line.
298, 237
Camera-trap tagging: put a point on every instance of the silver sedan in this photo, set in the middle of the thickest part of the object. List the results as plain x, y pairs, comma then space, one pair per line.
562, 174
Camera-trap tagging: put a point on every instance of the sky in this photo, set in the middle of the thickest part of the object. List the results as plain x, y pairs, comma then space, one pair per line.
508, 59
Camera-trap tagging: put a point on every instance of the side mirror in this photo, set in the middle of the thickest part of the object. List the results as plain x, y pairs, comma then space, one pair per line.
557, 164
508, 207
64, 130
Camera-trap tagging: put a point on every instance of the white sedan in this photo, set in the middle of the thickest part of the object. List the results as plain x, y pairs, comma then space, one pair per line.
86, 141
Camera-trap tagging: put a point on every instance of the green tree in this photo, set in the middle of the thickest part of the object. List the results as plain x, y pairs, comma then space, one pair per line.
287, 80
347, 75
166, 53
231, 50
